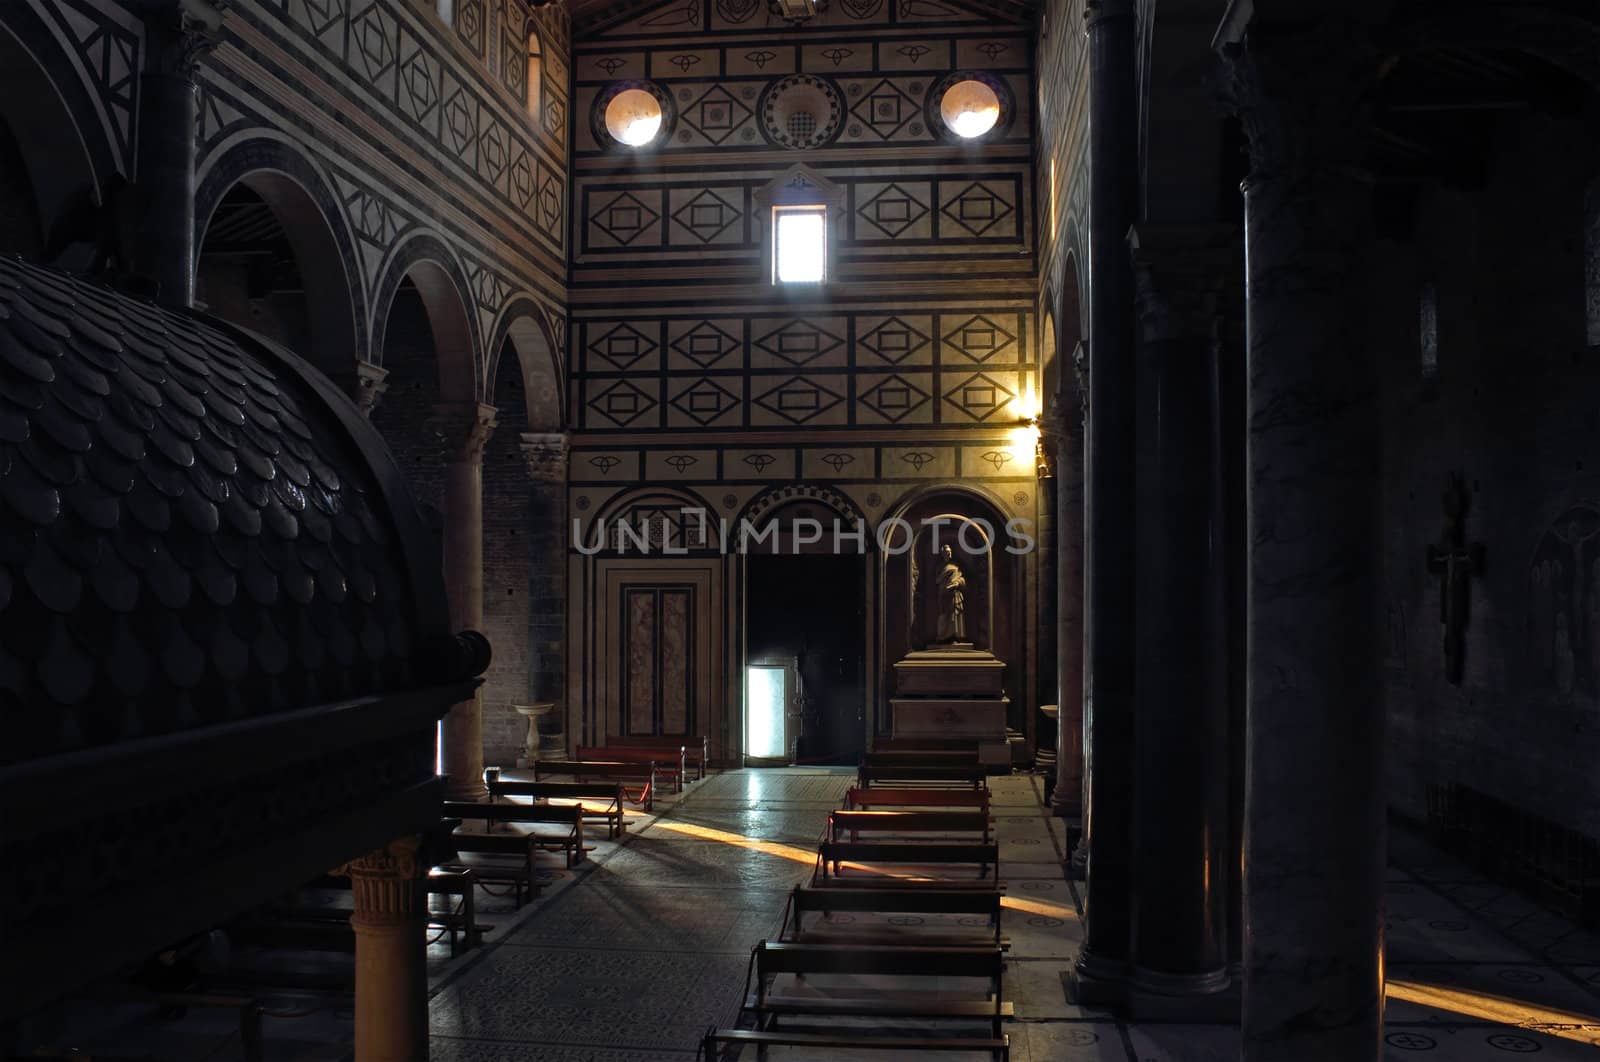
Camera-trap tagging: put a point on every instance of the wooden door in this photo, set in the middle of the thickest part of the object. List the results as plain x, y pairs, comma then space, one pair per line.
658, 660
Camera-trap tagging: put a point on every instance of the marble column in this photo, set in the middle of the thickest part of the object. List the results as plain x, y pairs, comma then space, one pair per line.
161, 247
1314, 815
391, 949
1064, 429
546, 456
1180, 821
1099, 974
465, 427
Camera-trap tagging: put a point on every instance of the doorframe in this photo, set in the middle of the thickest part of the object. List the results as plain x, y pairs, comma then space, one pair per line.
793, 690
740, 609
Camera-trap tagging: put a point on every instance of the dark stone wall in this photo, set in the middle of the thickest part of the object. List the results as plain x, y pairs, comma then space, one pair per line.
1513, 409
506, 530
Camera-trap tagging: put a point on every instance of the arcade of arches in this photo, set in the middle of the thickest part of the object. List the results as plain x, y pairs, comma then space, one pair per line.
1200, 429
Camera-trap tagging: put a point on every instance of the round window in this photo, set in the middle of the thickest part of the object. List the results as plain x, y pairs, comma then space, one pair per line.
969, 108
633, 117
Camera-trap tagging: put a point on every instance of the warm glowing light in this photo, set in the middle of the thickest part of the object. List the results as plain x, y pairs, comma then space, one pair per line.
970, 108
800, 244
633, 117
1025, 407
1501, 1010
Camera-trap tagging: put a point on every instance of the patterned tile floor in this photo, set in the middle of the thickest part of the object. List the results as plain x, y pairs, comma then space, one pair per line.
630, 956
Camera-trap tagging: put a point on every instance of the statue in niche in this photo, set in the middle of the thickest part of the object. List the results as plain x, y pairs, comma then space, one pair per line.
951, 586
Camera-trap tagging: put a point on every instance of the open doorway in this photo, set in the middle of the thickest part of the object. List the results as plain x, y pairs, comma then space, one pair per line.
806, 629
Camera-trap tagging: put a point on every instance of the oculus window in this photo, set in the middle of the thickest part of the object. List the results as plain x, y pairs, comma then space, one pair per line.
969, 108
633, 117
799, 244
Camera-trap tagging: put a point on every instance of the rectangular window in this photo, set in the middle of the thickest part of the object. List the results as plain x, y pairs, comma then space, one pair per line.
799, 244
1428, 332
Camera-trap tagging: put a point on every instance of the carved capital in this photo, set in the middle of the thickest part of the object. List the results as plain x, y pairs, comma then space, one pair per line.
178, 34
546, 455
1304, 96
464, 427
366, 385
384, 883
1183, 278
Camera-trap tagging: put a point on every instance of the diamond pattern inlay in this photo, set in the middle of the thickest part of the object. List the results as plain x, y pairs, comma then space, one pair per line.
704, 401
798, 400
798, 342
885, 109
979, 338
622, 345
977, 208
716, 115
622, 403
894, 341
705, 344
894, 398
706, 216
892, 211
624, 218
979, 396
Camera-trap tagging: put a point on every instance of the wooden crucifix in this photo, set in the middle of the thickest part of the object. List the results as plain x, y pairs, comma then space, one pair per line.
1455, 561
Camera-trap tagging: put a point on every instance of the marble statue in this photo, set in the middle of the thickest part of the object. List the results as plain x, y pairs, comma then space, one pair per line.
951, 586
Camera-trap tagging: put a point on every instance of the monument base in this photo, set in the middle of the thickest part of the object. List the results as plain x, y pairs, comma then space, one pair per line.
956, 670
979, 720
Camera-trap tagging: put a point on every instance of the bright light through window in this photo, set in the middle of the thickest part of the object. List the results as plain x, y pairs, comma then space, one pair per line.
763, 738
634, 117
800, 244
970, 108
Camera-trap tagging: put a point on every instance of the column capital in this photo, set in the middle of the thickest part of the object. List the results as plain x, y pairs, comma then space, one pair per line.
1182, 275
367, 383
384, 882
465, 428
546, 455
178, 33
1304, 94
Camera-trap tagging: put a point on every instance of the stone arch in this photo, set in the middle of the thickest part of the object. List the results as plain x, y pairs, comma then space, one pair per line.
308, 214
776, 499
442, 284
65, 156
646, 503
524, 330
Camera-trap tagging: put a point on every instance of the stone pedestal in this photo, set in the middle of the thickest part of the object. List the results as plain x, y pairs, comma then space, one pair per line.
952, 692
391, 973
532, 713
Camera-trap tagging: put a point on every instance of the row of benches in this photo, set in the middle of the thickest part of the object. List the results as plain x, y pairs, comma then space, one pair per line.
955, 871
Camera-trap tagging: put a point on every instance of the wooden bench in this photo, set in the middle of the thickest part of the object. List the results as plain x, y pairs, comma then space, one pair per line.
922, 758
948, 775
501, 858
567, 837
724, 1045
986, 857
804, 900
669, 762
923, 797
696, 751
959, 820
770, 959
608, 792
642, 794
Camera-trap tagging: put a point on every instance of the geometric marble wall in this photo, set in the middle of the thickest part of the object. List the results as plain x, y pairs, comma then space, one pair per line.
694, 379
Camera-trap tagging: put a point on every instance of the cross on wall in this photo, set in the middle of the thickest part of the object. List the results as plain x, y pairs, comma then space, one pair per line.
1455, 561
